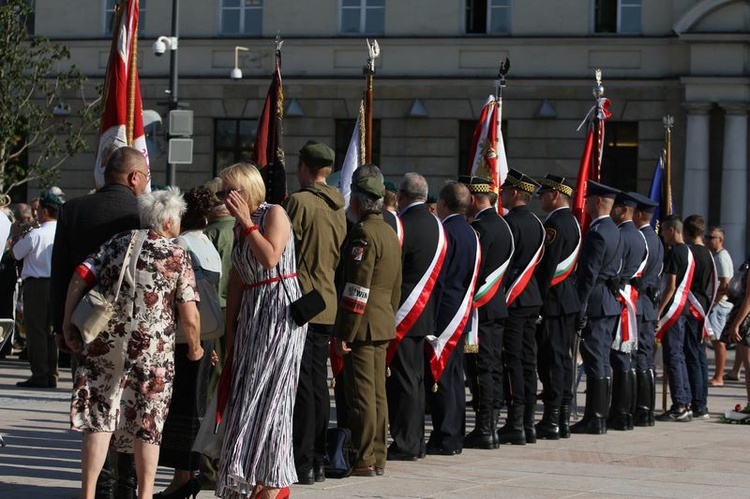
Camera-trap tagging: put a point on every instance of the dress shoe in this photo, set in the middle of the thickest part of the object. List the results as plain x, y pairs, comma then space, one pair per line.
319, 470
379, 471
364, 471
397, 455
306, 476
187, 490
52, 382
422, 450
32, 383
441, 451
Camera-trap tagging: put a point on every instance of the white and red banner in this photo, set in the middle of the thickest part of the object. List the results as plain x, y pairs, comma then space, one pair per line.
441, 346
410, 310
122, 118
355, 156
487, 155
696, 309
517, 287
626, 337
566, 267
680, 299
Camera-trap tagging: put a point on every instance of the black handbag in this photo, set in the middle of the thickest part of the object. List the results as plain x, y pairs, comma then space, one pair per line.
306, 307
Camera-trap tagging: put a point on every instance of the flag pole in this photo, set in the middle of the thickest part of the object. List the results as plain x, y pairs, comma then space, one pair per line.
598, 91
500, 81
369, 71
665, 211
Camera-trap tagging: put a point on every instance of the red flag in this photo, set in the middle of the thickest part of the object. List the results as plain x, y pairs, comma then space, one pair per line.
487, 156
122, 118
584, 170
268, 152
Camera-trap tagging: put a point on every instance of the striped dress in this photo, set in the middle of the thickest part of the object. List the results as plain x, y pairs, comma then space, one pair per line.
257, 446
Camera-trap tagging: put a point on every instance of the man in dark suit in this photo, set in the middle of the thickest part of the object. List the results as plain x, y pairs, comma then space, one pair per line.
634, 255
489, 311
598, 284
560, 305
649, 286
453, 295
523, 300
84, 224
422, 255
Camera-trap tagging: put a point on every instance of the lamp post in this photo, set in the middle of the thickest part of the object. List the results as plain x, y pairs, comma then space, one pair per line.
170, 43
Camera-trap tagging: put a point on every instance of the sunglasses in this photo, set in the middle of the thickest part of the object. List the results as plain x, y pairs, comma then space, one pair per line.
224, 194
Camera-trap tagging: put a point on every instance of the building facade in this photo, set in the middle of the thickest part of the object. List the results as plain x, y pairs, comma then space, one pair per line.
439, 60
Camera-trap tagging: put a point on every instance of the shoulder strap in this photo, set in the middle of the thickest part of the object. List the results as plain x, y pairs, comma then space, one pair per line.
125, 263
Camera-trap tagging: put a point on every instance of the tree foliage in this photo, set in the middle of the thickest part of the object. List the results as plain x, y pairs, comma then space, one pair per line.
35, 74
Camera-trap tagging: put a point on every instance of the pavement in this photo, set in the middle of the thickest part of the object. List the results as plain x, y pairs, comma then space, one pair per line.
703, 458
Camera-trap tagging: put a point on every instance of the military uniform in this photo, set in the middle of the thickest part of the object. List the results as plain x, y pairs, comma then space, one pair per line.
560, 306
366, 321
519, 337
597, 280
648, 285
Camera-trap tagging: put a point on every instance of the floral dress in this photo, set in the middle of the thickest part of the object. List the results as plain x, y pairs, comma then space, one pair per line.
123, 383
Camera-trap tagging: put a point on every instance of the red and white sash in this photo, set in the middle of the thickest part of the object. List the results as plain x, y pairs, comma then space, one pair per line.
626, 337
442, 345
565, 268
409, 311
680, 299
524, 277
696, 309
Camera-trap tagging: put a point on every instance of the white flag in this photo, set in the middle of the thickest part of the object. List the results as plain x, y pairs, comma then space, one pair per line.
353, 159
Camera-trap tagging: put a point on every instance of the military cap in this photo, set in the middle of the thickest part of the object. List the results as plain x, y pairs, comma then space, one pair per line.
476, 185
644, 204
626, 199
316, 153
555, 183
520, 181
50, 200
390, 186
600, 190
369, 185
431, 199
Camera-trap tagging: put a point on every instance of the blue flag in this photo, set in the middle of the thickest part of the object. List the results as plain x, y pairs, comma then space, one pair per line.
654, 192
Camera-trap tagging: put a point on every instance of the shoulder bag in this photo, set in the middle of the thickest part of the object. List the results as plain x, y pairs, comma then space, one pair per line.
305, 308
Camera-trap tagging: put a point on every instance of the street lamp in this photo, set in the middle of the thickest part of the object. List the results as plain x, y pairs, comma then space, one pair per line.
236, 73
160, 46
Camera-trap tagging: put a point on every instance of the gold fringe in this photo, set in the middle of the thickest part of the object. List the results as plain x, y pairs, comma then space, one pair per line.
434, 388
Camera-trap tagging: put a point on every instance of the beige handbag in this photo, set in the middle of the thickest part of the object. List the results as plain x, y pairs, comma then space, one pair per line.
94, 311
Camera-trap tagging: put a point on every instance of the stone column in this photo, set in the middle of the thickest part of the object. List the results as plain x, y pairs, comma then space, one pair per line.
695, 193
734, 180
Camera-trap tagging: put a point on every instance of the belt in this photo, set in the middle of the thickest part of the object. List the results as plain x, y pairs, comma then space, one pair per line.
269, 281
36, 278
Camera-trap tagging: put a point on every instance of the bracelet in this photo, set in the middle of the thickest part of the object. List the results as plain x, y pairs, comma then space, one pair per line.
250, 229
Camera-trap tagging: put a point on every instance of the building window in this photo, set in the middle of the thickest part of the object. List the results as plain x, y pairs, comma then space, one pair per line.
241, 17
620, 156
234, 141
488, 16
109, 16
344, 130
617, 16
466, 137
362, 17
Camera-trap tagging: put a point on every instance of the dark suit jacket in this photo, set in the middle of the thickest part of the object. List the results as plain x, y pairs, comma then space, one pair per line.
421, 238
528, 235
633, 253
651, 279
561, 239
496, 241
83, 225
458, 268
600, 260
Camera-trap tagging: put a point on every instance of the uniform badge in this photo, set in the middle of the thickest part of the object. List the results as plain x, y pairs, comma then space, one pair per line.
358, 250
550, 236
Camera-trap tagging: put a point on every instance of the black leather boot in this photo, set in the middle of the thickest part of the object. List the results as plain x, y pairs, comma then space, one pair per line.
481, 436
549, 427
494, 421
651, 377
594, 420
633, 394
619, 414
528, 423
512, 432
565, 421
127, 483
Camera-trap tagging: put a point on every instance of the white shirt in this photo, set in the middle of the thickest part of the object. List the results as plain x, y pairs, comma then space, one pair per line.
36, 251
724, 268
4, 231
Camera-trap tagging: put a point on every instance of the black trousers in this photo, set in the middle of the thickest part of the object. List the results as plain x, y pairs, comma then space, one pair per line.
596, 343
519, 355
644, 356
555, 359
448, 403
489, 363
312, 404
406, 396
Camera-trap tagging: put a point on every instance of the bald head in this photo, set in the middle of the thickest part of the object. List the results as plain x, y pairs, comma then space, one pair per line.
122, 162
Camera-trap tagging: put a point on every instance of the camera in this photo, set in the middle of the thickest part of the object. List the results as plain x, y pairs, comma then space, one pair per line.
159, 47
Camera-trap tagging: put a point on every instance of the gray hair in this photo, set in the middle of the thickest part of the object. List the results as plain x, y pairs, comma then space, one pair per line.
366, 203
157, 207
414, 186
368, 170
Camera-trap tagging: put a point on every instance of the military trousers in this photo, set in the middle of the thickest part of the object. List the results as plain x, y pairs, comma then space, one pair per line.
554, 358
596, 344
519, 356
406, 396
490, 365
644, 356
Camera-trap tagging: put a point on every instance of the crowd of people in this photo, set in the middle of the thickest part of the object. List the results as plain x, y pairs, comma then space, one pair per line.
206, 368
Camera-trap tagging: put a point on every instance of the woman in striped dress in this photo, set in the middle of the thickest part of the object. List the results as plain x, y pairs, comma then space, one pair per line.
257, 454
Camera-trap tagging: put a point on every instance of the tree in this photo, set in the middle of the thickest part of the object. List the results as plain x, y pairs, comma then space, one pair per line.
34, 76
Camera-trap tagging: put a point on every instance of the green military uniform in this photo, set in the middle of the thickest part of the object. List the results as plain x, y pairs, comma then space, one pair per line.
367, 322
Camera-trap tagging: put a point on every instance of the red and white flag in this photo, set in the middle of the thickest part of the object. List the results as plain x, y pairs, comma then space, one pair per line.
355, 156
122, 118
487, 157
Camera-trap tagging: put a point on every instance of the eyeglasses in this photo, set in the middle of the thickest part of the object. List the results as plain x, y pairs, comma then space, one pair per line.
145, 174
224, 194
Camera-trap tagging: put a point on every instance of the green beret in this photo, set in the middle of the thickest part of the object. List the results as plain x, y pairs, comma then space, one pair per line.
316, 153
50, 200
369, 185
432, 199
390, 186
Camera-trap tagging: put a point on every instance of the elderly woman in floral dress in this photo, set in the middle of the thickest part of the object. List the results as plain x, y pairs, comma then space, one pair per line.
123, 384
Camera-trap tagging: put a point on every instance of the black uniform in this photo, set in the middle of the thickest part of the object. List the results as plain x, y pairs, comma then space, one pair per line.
405, 385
